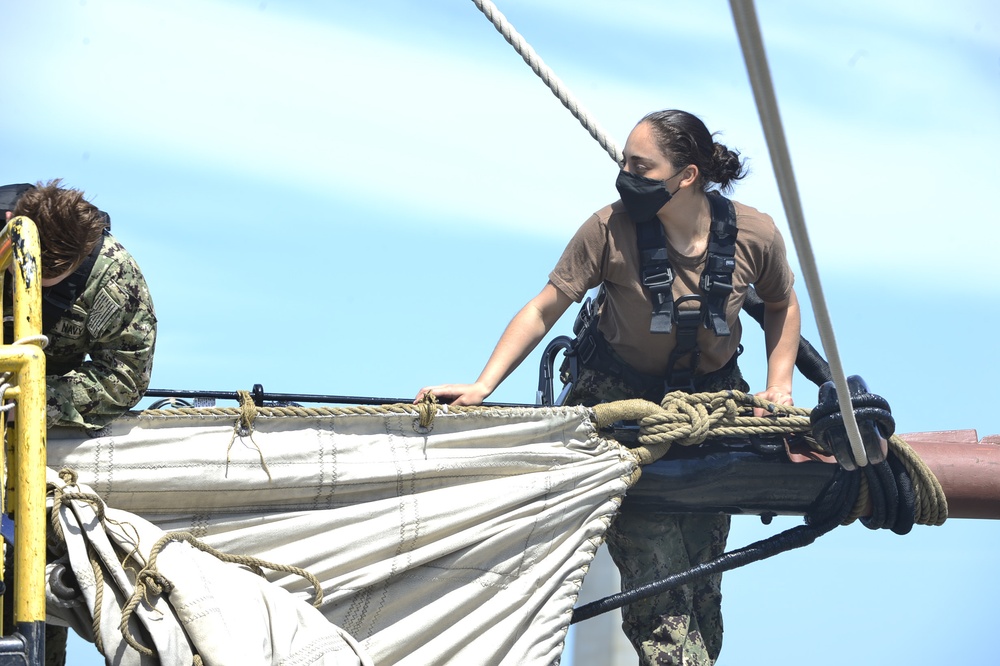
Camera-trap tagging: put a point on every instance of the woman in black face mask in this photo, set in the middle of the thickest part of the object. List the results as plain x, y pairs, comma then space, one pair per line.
674, 260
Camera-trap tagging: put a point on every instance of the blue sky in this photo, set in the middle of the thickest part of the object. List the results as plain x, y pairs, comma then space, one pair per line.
354, 198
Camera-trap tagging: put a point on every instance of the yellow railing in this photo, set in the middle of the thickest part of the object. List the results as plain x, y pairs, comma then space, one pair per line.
24, 360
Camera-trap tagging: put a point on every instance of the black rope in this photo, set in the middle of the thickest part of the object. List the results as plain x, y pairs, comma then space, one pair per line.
890, 488
893, 507
892, 495
809, 361
831, 511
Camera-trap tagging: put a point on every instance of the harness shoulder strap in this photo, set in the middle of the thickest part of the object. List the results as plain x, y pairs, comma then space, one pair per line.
57, 299
717, 279
656, 273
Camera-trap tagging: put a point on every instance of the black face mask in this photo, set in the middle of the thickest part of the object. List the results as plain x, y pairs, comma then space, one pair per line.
642, 197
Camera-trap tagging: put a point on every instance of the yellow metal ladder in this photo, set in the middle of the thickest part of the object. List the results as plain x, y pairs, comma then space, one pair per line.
23, 502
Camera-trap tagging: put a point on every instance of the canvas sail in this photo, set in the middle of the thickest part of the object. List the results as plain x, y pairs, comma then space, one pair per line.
463, 540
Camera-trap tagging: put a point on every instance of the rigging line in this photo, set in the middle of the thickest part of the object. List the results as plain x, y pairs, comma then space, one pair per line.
543, 71
745, 18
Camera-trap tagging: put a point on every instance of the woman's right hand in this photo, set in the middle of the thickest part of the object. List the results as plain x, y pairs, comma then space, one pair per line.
524, 331
456, 394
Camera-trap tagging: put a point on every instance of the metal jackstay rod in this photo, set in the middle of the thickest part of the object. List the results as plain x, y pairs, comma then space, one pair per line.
259, 397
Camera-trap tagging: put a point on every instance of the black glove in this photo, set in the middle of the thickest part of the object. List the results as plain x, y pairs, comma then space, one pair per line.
874, 419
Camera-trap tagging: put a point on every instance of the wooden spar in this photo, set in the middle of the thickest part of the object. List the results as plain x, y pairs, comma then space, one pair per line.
967, 468
740, 477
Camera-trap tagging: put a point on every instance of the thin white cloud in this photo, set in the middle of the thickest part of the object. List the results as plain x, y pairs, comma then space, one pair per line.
458, 135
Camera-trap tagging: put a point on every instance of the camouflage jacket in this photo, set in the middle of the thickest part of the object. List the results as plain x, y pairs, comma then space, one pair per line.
100, 352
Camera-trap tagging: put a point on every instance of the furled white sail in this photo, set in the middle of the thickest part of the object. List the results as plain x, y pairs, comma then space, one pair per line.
465, 541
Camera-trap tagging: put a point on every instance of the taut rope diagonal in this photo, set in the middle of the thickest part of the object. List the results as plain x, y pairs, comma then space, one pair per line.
539, 67
755, 58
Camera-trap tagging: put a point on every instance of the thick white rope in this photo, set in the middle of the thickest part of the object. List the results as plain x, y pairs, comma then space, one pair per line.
748, 30
523, 49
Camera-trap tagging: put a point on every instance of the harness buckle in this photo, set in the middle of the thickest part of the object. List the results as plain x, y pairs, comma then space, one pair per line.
657, 275
713, 283
720, 263
585, 349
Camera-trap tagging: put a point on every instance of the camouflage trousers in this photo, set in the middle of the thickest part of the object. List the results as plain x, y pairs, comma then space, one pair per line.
682, 626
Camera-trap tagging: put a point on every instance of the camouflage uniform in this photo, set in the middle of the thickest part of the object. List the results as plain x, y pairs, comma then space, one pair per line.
683, 625
100, 351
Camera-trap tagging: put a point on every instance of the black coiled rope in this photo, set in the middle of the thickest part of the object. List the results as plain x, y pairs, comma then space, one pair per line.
890, 492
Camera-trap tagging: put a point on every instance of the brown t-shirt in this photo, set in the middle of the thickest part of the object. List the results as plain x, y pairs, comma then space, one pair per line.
604, 250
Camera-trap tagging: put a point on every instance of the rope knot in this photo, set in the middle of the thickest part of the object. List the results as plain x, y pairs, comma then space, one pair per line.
427, 409
244, 428
248, 413
68, 476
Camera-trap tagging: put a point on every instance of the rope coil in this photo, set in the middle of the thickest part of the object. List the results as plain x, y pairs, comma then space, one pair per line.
689, 419
148, 579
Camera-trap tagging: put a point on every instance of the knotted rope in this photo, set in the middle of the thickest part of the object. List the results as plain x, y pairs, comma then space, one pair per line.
681, 418
61, 496
689, 419
244, 428
148, 579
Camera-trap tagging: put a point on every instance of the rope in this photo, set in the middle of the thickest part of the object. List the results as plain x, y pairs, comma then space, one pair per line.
270, 412
689, 419
548, 77
932, 505
59, 496
835, 505
755, 58
681, 418
148, 578
427, 408
244, 428
403, 408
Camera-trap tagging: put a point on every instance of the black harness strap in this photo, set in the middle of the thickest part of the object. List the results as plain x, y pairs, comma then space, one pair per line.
657, 276
686, 346
656, 273
60, 297
716, 284
717, 279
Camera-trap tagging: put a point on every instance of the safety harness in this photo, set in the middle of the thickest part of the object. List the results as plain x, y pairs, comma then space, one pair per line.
590, 348
58, 298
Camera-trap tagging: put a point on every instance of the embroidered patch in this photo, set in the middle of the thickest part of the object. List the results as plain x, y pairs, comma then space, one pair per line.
104, 309
68, 328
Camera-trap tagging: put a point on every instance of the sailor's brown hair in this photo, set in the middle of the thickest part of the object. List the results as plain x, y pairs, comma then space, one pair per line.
683, 139
68, 225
